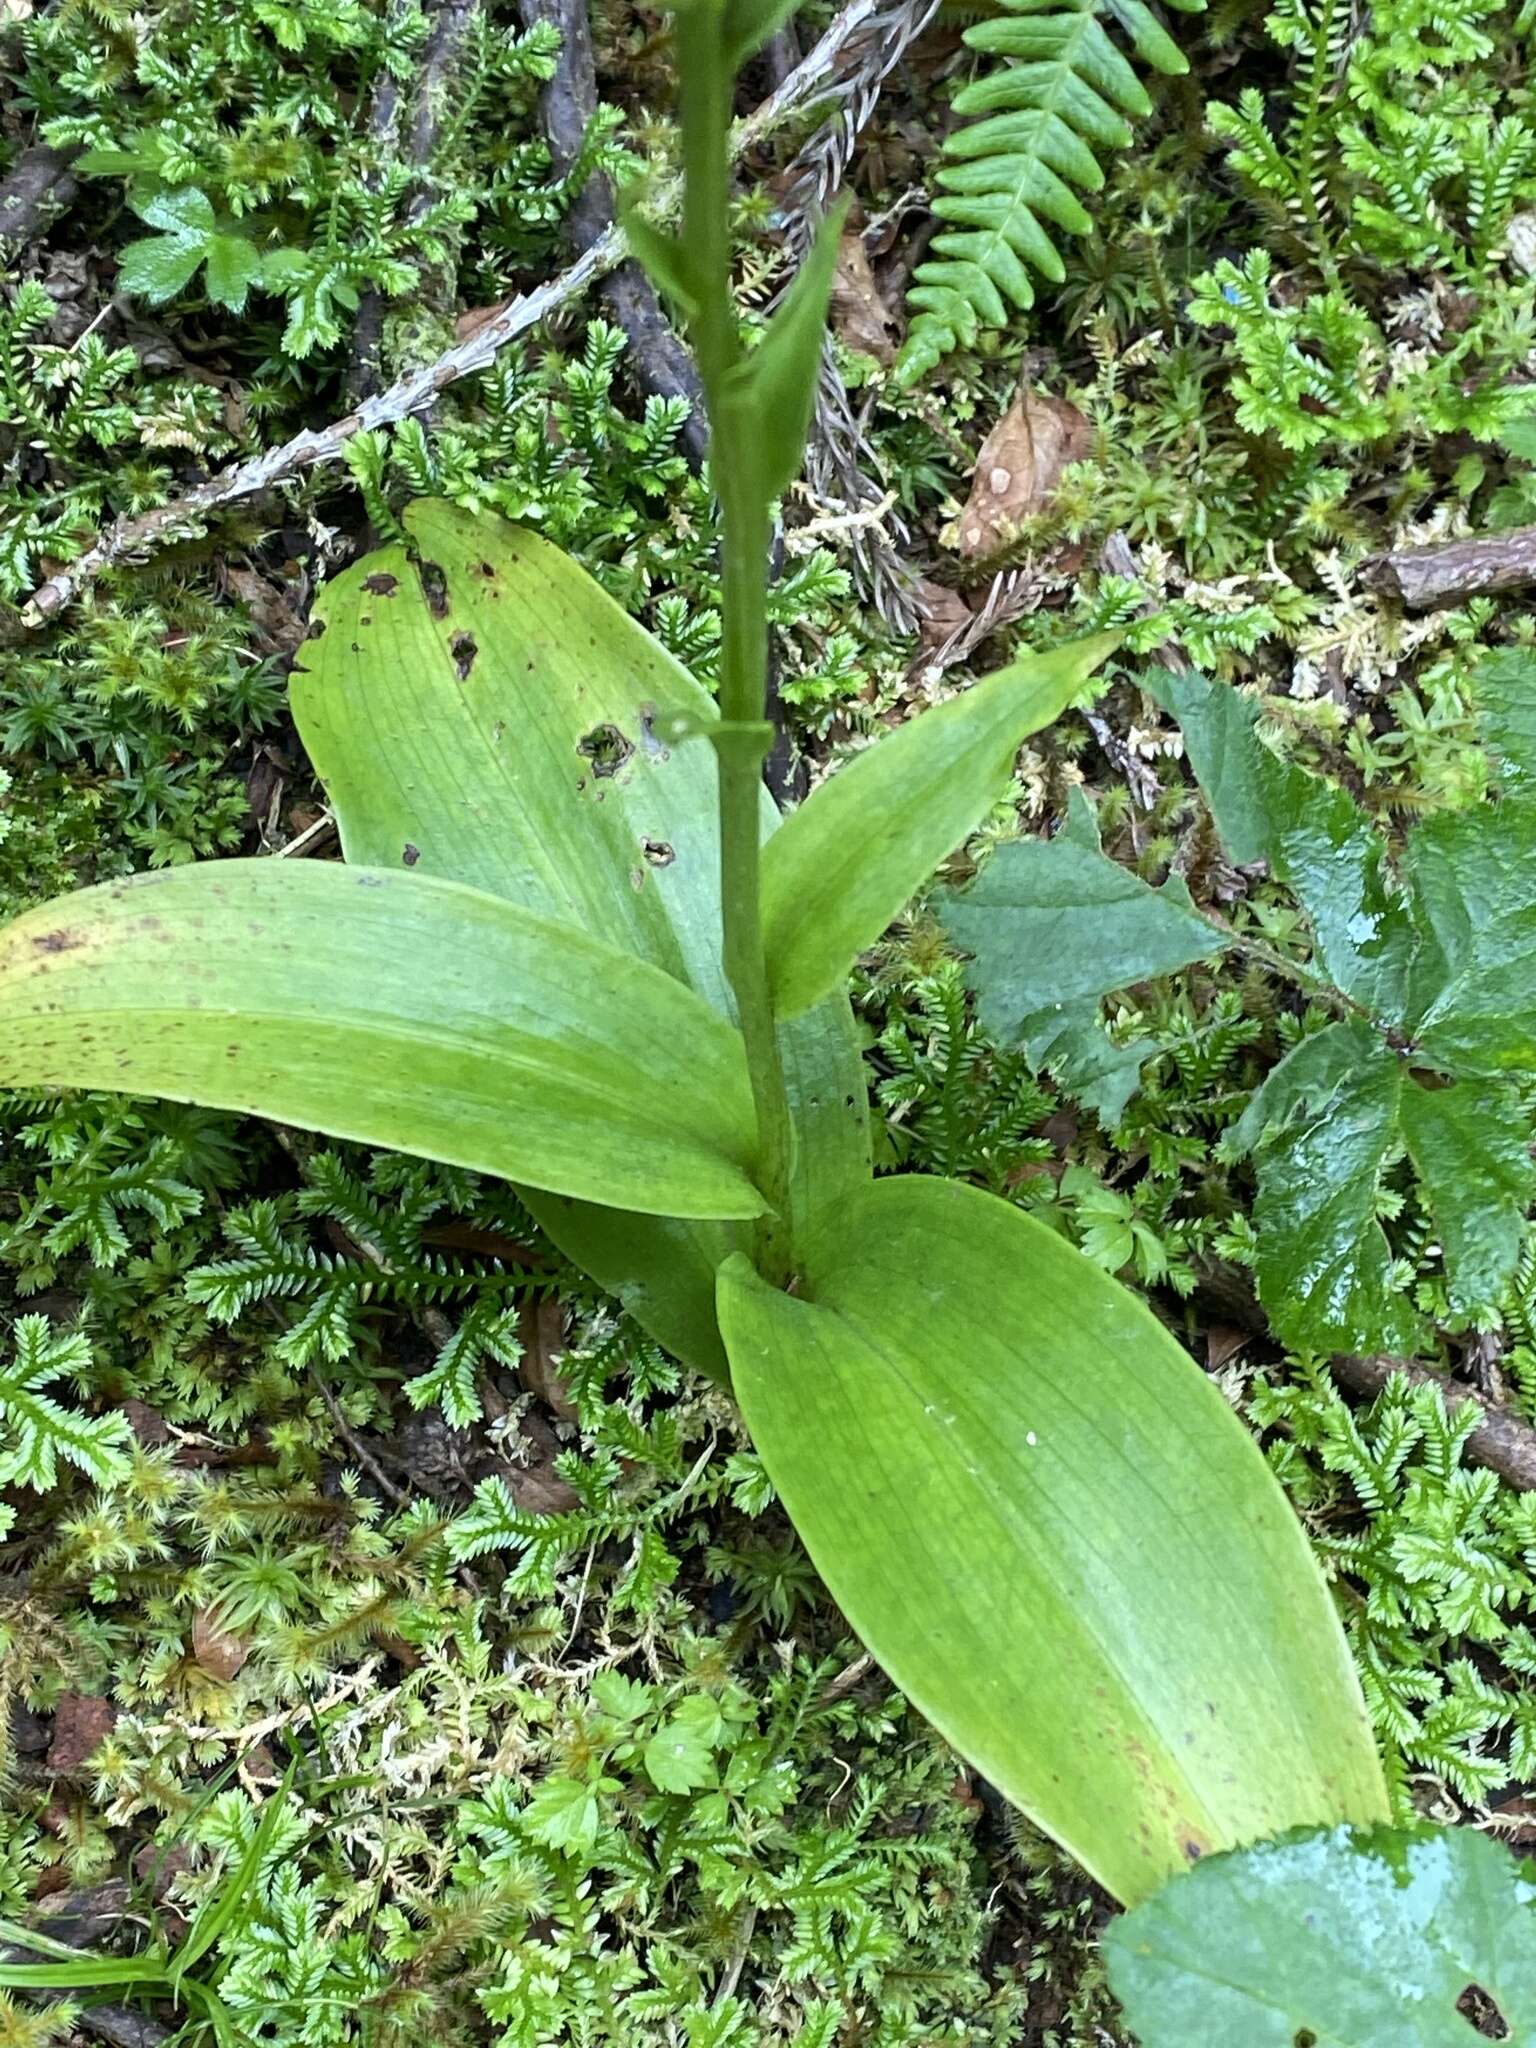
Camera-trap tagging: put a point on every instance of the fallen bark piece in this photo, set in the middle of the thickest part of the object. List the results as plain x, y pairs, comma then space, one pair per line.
1425, 579
38, 188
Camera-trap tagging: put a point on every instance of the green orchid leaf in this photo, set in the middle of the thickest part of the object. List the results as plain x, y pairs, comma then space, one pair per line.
774, 389
851, 857
1413, 1938
979, 1436
496, 724
1054, 924
1314, 836
749, 23
393, 1009
662, 255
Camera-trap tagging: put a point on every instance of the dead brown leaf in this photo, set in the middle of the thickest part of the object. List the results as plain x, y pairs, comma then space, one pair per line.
541, 1332
218, 1652
1018, 469
942, 612
1222, 1344
279, 626
535, 1484
860, 316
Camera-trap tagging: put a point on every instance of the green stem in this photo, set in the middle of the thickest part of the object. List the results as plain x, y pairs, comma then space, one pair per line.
746, 534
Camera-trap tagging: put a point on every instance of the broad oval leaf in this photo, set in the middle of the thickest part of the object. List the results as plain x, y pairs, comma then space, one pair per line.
1419, 1938
1053, 1532
501, 733
393, 1009
852, 856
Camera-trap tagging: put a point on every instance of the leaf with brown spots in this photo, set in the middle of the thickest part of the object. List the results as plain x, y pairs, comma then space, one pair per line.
1018, 469
860, 316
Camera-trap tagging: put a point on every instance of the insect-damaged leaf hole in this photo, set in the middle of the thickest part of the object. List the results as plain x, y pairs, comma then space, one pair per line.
434, 588
606, 748
1482, 2014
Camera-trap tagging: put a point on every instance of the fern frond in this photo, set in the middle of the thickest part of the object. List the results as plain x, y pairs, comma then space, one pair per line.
1064, 94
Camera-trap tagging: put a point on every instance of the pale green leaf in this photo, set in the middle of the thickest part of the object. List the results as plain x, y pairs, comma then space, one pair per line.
394, 1009
234, 265
663, 255
1053, 1532
678, 1758
852, 856
463, 737
563, 1814
1339, 1940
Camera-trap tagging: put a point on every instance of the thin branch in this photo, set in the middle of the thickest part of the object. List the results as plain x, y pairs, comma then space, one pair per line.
1503, 1441
567, 107
185, 518
838, 458
1424, 579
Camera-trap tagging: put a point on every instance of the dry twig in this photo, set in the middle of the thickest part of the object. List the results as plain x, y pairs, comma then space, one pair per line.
1502, 1440
185, 517
566, 106
838, 453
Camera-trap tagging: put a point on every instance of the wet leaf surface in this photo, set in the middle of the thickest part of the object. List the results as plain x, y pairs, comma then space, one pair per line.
1423, 1938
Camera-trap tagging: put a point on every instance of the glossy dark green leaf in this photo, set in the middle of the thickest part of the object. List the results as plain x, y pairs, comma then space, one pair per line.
1053, 1532
1421, 1938
1473, 881
502, 732
852, 856
394, 1009
1312, 833
1505, 683
1324, 1128
773, 390
1051, 926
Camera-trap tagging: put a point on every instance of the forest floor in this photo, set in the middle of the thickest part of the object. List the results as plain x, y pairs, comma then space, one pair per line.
627, 1779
